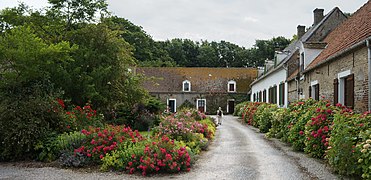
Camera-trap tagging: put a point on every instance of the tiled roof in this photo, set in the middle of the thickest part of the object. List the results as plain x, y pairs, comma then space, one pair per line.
352, 31
170, 79
293, 75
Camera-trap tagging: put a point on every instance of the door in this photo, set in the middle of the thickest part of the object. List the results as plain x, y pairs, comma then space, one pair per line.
172, 105
230, 106
201, 105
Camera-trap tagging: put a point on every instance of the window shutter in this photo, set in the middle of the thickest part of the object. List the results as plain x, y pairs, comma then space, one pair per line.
349, 91
283, 94
316, 92
336, 91
310, 91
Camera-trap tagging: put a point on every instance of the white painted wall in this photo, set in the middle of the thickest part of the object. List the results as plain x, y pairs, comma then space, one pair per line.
309, 54
272, 79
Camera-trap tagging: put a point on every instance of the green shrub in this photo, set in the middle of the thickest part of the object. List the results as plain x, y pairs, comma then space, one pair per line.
365, 158
161, 154
47, 148
186, 105
342, 154
238, 109
26, 116
318, 128
66, 143
297, 131
264, 116
280, 117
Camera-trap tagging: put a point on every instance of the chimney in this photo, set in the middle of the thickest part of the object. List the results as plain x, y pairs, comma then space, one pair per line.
318, 16
301, 31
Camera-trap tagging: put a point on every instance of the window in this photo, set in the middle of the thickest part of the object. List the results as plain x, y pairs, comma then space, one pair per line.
186, 86
265, 95
282, 94
201, 105
171, 103
314, 90
301, 62
344, 89
231, 86
260, 96
254, 98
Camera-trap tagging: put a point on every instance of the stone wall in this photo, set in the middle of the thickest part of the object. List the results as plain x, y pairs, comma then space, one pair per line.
356, 62
213, 101
292, 91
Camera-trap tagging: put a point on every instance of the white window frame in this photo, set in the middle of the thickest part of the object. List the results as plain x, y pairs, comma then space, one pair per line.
341, 87
235, 85
201, 100
313, 92
174, 103
189, 89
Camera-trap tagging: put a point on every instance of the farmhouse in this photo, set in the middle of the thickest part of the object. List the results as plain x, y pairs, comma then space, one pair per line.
204, 88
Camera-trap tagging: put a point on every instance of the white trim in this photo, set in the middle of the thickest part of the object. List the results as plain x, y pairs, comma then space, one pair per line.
200, 100
174, 103
341, 88
344, 74
235, 85
189, 83
313, 83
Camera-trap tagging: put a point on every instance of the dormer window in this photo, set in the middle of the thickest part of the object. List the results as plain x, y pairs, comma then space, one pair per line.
186, 86
231, 86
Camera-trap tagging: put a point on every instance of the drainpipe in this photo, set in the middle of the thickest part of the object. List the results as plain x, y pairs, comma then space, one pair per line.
368, 43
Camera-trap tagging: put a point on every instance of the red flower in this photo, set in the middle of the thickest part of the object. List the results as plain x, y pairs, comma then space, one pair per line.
301, 132
101, 156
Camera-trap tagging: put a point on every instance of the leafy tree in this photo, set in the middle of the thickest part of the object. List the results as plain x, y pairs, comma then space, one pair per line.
77, 11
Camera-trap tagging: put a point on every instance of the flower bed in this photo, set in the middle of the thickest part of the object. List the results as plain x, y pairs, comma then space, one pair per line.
171, 147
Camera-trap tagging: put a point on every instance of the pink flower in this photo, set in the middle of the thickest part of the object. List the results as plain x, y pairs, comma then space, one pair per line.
301, 132
101, 156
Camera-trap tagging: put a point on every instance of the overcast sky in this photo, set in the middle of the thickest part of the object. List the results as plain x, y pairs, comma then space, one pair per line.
238, 21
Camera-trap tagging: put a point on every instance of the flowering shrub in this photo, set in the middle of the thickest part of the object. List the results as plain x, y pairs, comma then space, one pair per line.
249, 112
280, 117
101, 141
161, 154
82, 117
238, 110
318, 128
365, 158
342, 153
264, 117
182, 127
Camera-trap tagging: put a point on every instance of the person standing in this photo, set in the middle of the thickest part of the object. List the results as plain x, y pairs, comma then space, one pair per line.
219, 114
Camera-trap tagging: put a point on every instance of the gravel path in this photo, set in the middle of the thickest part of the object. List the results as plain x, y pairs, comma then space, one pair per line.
238, 152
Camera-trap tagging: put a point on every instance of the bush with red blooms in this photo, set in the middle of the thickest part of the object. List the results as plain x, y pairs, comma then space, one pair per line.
249, 112
82, 117
318, 128
159, 154
100, 141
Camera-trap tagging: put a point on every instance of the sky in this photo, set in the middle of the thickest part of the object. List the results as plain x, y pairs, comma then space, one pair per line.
237, 21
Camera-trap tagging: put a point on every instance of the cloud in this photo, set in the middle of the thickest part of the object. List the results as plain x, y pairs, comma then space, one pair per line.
250, 19
237, 21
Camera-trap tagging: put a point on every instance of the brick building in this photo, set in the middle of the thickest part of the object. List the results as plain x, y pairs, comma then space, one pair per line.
205, 88
310, 44
340, 73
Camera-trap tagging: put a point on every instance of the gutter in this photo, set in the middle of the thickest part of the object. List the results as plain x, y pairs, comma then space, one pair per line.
368, 43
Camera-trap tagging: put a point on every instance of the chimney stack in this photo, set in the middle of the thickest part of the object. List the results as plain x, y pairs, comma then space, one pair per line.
318, 16
301, 31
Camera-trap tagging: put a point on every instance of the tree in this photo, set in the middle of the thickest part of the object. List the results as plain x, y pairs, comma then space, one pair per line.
77, 11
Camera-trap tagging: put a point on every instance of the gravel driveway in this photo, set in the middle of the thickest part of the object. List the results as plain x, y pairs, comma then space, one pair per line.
238, 152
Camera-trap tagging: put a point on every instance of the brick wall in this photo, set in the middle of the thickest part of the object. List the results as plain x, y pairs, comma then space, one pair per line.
356, 62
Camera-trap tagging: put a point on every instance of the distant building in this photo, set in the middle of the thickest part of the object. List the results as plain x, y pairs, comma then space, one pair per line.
341, 72
204, 88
